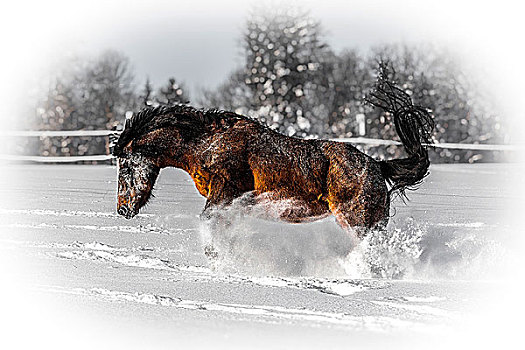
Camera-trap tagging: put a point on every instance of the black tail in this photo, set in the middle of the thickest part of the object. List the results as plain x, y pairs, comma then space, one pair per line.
414, 125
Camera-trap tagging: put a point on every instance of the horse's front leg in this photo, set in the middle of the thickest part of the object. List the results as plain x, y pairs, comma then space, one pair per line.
210, 211
221, 194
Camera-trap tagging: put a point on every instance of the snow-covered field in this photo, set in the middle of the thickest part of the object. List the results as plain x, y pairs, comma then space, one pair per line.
76, 275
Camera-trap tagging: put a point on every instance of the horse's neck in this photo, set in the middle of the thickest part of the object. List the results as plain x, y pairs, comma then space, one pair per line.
190, 160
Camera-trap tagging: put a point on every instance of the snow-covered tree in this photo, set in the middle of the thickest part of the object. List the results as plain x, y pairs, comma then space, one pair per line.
57, 111
291, 80
338, 90
284, 51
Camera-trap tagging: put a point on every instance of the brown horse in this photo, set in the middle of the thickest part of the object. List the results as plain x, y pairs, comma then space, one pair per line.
230, 156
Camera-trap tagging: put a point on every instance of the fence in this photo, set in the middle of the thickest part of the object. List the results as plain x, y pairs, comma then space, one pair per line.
105, 157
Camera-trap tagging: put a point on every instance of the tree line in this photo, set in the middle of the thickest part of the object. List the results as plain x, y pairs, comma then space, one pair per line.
293, 81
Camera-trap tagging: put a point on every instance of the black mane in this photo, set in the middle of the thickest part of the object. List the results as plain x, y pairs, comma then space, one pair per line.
192, 120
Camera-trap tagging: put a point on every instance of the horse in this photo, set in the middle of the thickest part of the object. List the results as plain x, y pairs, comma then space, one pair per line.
230, 156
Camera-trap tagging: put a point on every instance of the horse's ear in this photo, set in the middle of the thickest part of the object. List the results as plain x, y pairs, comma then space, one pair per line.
120, 142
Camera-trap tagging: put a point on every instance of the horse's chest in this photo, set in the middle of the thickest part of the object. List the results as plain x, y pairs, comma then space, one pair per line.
202, 182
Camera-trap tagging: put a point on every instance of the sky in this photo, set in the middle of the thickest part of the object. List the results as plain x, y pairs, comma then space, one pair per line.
201, 44
198, 41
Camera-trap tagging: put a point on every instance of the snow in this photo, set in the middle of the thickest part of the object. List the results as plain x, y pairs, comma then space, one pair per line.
77, 273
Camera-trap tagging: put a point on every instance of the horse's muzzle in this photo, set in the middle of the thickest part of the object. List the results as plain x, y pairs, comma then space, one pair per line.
126, 212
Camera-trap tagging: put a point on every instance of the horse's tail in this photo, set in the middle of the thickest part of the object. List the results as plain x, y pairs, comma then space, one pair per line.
414, 125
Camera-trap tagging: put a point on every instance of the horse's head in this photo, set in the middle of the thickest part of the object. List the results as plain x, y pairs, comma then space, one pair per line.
139, 161
152, 139
136, 176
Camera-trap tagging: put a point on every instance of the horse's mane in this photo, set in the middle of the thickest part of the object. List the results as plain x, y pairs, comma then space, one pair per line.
191, 120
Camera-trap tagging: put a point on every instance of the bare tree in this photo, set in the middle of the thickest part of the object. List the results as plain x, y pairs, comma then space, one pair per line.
172, 93
146, 97
105, 91
233, 94
91, 94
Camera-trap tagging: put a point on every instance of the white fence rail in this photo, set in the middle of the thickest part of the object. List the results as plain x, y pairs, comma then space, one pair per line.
62, 159
54, 133
90, 133
471, 146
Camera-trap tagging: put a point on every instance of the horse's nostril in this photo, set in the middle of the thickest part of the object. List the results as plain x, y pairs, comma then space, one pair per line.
123, 211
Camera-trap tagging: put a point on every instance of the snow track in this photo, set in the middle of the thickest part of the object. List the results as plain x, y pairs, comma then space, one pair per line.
264, 313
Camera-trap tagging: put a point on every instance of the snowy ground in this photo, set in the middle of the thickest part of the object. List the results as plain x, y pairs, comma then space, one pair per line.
77, 275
